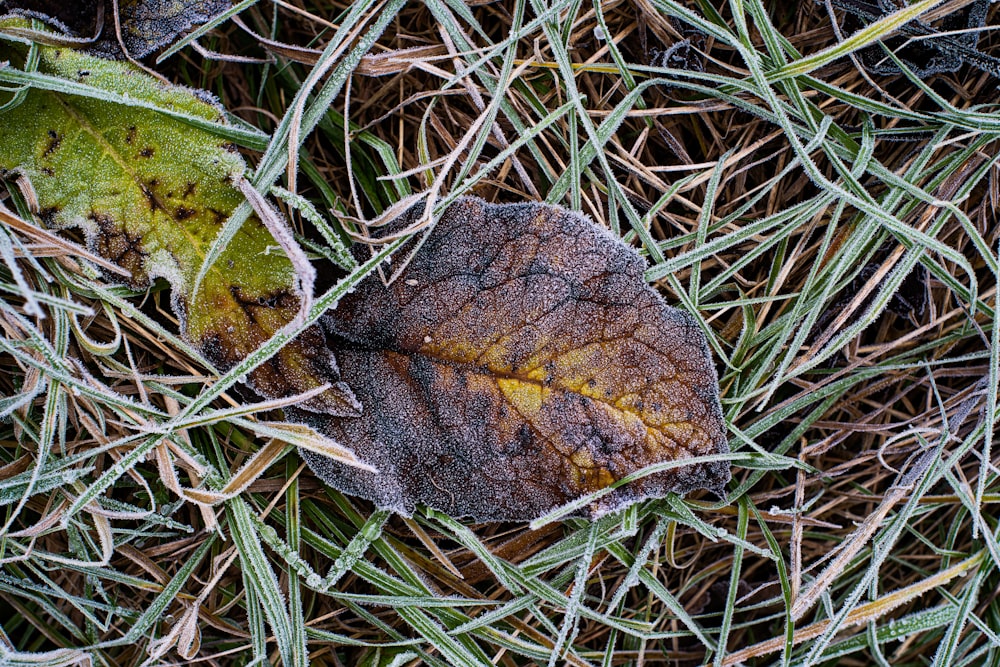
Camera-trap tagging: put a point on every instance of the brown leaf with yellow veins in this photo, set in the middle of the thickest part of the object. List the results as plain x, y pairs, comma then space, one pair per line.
519, 362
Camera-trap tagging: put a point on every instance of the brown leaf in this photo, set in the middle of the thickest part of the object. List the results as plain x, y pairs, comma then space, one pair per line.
519, 362
145, 25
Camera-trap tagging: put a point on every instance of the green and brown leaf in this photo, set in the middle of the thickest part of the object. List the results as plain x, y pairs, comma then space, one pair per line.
150, 193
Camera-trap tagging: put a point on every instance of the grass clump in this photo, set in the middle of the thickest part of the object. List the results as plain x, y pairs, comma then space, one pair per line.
835, 230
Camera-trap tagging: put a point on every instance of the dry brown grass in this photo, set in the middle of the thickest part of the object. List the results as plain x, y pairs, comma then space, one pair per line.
837, 466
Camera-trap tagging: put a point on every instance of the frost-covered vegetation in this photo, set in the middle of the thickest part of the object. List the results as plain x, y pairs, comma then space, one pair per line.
814, 183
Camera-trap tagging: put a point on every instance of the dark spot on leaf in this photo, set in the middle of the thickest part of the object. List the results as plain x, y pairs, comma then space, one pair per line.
147, 192
230, 147
183, 213
218, 351
55, 139
278, 299
47, 171
525, 438
130, 134
189, 189
147, 152
81, 74
48, 215
115, 243
254, 306
218, 217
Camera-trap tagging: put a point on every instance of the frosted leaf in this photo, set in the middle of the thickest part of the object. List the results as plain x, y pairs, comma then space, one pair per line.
520, 362
146, 25
925, 49
151, 194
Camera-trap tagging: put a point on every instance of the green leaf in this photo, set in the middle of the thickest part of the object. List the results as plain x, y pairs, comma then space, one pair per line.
151, 193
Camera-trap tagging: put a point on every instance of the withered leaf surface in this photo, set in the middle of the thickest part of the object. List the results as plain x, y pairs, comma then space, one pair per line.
145, 25
151, 193
926, 49
519, 362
